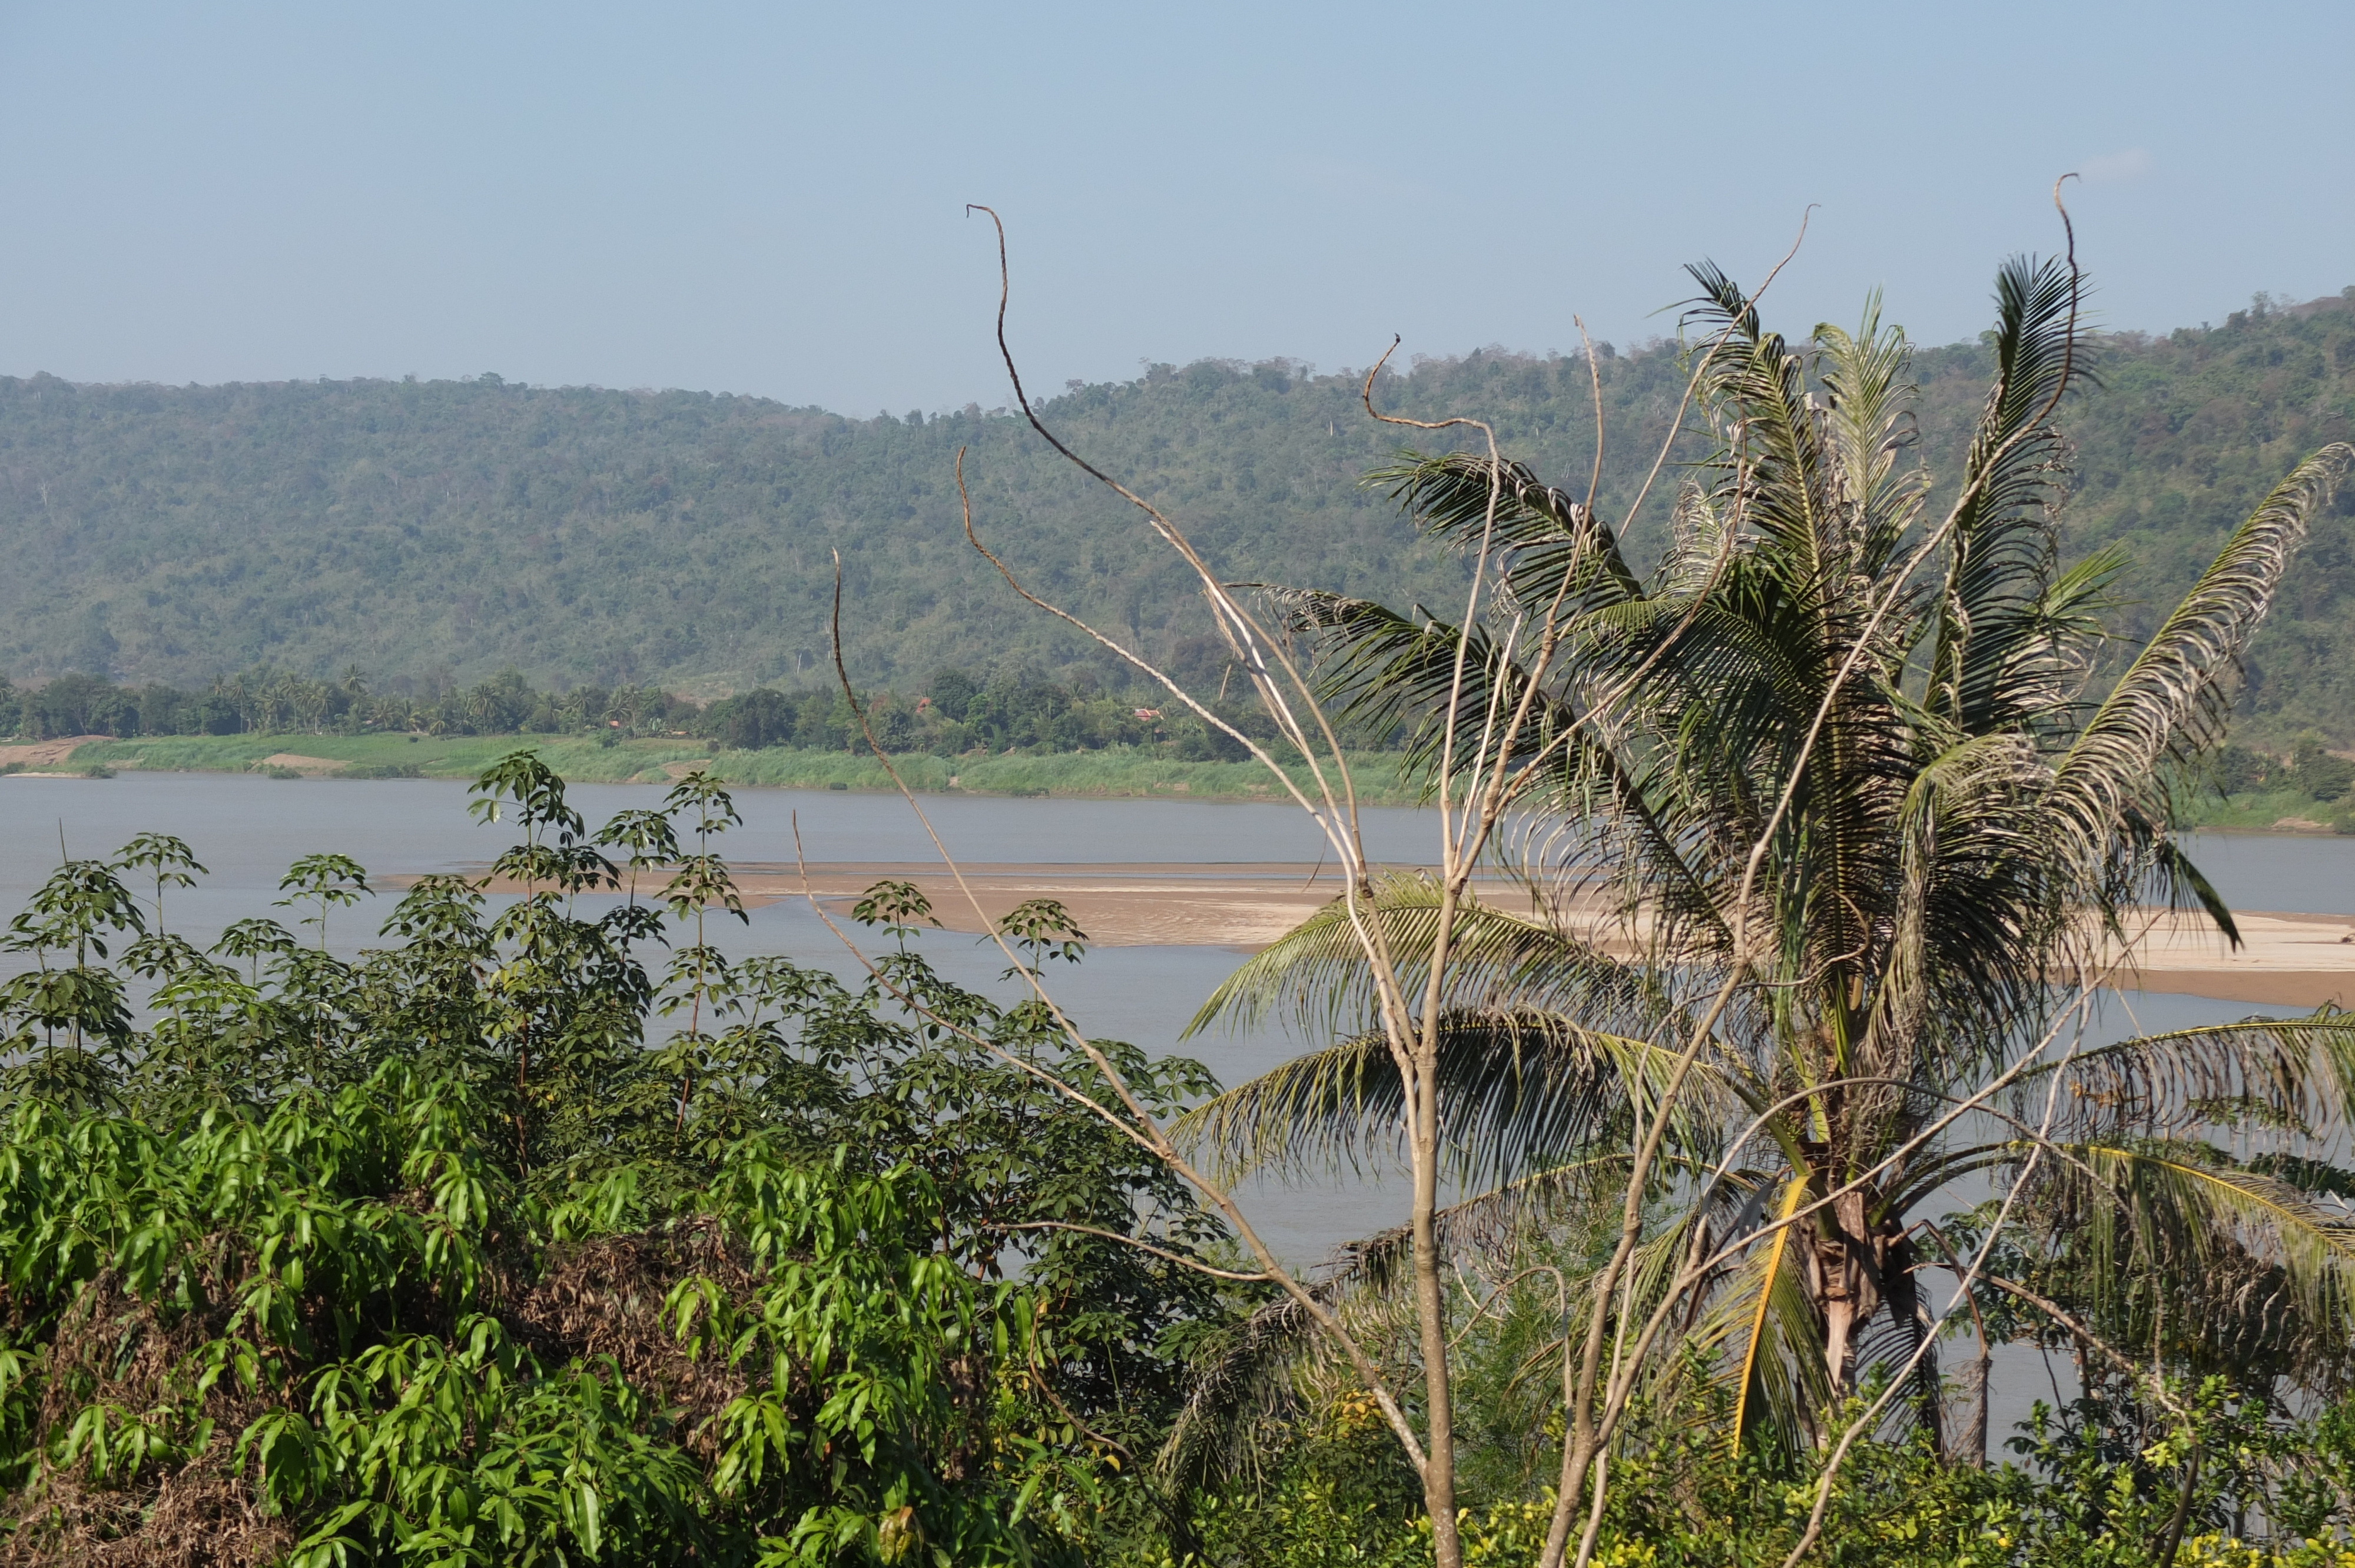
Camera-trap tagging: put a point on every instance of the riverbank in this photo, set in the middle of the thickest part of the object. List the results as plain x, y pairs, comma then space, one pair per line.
2289, 959
1114, 773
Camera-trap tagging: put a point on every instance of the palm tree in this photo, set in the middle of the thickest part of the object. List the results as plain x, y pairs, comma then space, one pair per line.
1836, 795
309, 701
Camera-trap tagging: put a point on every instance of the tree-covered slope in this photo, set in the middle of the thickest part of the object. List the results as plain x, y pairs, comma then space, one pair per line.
2187, 433
445, 530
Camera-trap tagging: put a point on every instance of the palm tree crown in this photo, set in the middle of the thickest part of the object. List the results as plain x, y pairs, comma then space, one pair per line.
1845, 758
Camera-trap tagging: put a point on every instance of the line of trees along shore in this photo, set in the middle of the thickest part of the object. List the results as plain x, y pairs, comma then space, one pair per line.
954, 711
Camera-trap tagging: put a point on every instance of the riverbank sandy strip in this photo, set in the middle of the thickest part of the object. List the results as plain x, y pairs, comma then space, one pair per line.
2285, 959
45, 754
1244, 907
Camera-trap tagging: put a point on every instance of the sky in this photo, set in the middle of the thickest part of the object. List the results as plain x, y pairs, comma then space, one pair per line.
769, 198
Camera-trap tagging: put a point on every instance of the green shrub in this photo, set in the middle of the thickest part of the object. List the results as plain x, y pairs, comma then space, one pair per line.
498, 1246
2321, 775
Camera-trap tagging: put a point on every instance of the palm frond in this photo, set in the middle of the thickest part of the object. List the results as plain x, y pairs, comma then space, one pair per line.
1319, 976
1869, 404
1388, 673
2179, 882
1767, 1337
2169, 699
1969, 910
2284, 1072
1723, 306
2180, 1198
1697, 542
1518, 1090
1756, 1347
1998, 626
1778, 463
1897, 1337
1545, 544
1246, 1383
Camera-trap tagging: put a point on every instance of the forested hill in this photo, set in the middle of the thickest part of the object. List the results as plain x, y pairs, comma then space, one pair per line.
444, 530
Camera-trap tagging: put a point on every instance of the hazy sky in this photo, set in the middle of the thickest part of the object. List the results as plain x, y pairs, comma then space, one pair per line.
769, 197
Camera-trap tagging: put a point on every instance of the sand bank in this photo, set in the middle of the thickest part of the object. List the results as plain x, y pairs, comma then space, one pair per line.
2285, 959
34, 754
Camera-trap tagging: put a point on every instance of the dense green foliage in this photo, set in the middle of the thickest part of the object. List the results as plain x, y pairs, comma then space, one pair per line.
2093, 1485
503, 1243
439, 532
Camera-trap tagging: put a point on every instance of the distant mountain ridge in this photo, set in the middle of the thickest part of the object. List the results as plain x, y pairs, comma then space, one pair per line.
436, 532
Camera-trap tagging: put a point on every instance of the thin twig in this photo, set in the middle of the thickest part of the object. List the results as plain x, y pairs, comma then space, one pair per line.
1139, 1124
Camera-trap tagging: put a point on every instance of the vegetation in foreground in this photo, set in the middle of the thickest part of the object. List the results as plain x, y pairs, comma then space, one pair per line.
509, 1243
548, 1234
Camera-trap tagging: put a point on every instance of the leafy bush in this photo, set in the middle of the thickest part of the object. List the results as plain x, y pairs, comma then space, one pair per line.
2321, 775
455, 1253
2240, 771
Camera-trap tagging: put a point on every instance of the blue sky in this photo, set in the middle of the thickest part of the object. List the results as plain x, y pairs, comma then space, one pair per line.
769, 198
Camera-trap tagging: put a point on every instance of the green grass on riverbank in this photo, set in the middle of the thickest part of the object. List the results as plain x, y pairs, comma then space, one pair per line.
1115, 772
378, 755
1112, 773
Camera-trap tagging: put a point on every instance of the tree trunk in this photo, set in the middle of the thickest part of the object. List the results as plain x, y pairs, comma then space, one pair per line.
1846, 1274
1430, 1314
1972, 1447
1905, 1306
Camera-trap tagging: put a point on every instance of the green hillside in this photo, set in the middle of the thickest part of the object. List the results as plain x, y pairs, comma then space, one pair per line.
434, 533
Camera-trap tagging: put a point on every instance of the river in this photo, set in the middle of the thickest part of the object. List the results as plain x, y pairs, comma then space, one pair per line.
246, 830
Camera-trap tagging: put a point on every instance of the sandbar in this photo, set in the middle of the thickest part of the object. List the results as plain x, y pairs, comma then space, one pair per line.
2285, 959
